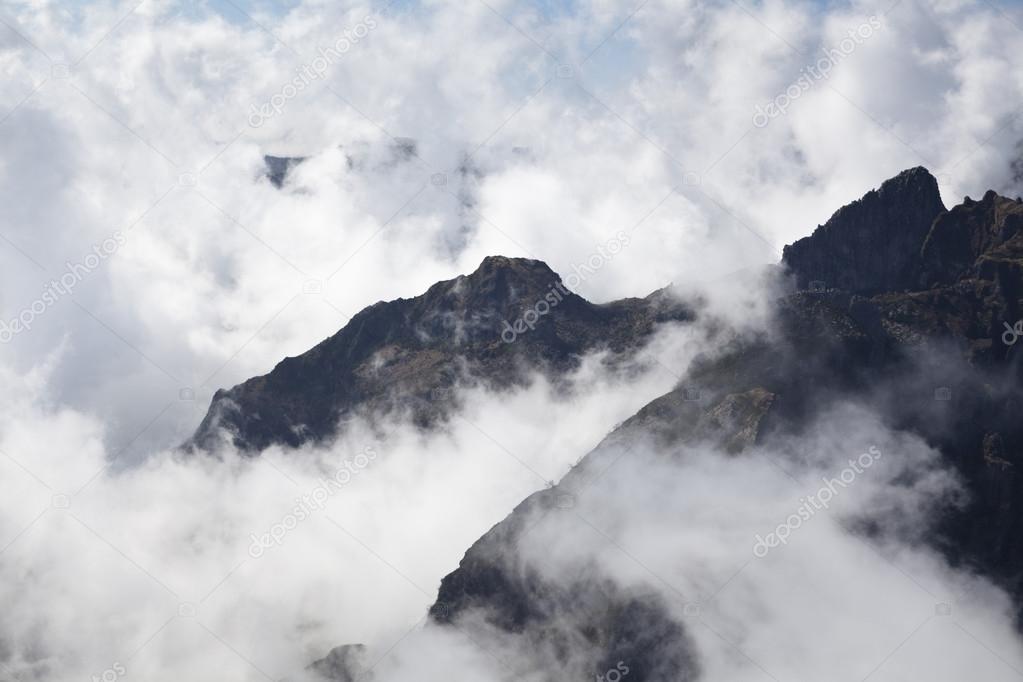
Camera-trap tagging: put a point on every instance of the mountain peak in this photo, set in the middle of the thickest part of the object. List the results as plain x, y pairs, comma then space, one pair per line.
975, 238
495, 325
911, 178
873, 244
514, 270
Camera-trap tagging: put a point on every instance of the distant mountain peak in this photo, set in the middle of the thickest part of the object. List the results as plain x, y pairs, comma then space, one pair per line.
507, 318
502, 281
530, 266
872, 244
278, 167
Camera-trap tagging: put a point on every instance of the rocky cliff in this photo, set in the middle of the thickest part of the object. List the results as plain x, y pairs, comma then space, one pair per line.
873, 244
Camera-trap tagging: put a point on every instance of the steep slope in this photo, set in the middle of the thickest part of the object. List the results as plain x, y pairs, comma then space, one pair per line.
507, 318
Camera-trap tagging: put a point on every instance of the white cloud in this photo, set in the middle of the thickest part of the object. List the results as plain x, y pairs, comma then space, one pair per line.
208, 289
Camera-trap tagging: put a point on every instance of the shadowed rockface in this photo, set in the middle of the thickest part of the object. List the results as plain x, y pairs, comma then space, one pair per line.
409, 353
842, 253
278, 167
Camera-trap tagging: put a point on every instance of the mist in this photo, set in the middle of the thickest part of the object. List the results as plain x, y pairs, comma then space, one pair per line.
443, 133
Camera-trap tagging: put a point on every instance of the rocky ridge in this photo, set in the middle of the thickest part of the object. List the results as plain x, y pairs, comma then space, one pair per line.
408, 354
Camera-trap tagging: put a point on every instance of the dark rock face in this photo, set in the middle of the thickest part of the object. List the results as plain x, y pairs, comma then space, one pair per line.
277, 168
940, 360
871, 245
408, 353
588, 612
587, 615
977, 239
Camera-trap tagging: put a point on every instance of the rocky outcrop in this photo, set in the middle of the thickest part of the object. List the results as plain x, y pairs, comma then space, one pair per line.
977, 239
278, 167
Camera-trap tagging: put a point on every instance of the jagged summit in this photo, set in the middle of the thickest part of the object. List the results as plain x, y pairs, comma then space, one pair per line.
278, 167
974, 239
499, 283
872, 244
901, 238
525, 268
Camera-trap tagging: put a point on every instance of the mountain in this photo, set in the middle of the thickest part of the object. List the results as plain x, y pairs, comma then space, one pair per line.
911, 320
410, 353
844, 253
895, 302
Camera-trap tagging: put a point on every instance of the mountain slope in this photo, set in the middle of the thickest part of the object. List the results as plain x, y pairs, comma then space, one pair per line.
932, 361
897, 304
408, 353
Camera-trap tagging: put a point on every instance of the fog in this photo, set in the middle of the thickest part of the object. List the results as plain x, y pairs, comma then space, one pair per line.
443, 133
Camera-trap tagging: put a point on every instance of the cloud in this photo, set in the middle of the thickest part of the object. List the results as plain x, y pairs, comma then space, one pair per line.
851, 587
186, 564
553, 131
649, 132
